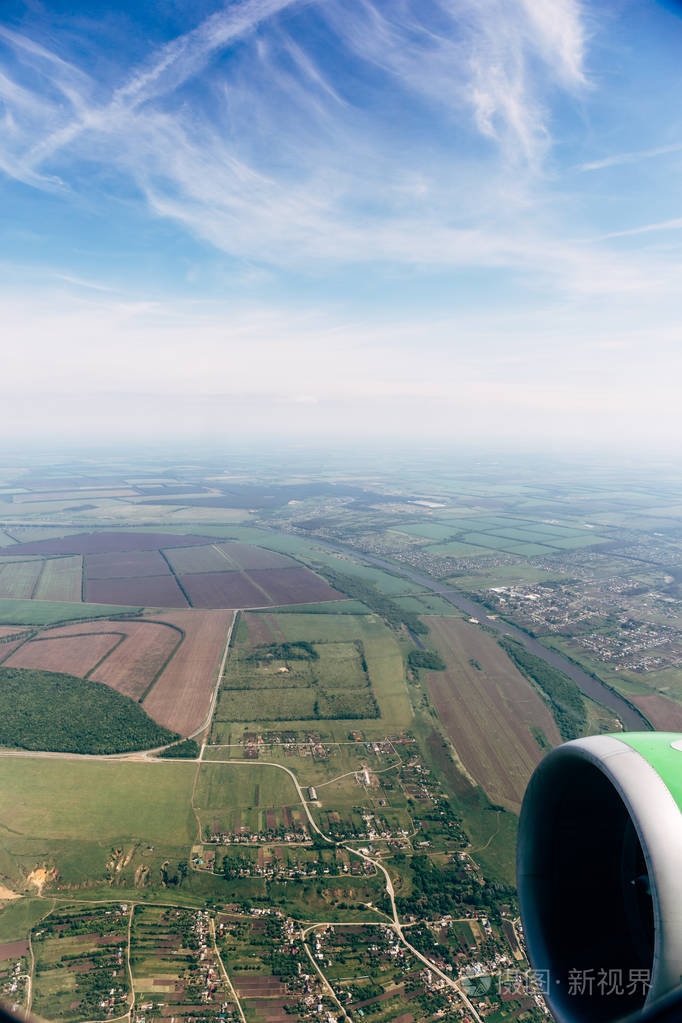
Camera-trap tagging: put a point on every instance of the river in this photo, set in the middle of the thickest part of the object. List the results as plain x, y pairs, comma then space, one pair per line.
592, 687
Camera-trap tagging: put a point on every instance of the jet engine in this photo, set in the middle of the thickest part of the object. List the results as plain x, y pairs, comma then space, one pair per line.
599, 870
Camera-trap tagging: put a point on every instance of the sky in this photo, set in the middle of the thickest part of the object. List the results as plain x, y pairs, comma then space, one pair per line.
359, 220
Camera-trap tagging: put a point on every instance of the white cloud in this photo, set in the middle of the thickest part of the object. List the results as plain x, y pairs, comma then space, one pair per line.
619, 159
251, 164
98, 364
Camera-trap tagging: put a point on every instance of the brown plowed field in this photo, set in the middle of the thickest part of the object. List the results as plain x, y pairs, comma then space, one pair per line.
11, 630
294, 586
18, 578
181, 698
76, 655
60, 580
103, 543
199, 559
132, 666
223, 589
247, 557
127, 565
13, 950
7, 648
148, 591
661, 712
130, 569
487, 711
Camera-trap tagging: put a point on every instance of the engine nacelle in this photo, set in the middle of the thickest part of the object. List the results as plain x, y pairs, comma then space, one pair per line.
599, 870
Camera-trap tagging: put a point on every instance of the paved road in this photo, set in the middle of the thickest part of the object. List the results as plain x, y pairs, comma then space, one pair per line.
398, 928
592, 687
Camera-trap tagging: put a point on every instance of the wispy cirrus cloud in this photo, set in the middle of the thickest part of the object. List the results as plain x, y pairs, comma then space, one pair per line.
621, 159
248, 156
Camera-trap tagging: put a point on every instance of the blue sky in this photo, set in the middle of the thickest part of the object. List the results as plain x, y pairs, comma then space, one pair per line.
342, 218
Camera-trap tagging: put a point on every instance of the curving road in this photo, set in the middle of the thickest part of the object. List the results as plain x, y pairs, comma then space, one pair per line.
299, 790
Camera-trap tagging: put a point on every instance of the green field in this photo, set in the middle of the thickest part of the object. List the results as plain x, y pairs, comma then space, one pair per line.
382, 653
17, 918
48, 612
428, 530
55, 797
328, 607
243, 785
354, 671
456, 549
427, 605
308, 681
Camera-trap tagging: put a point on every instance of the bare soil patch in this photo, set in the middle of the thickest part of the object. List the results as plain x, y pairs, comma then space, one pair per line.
294, 586
102, 543
180, 698
14, 949
134, 665
487, 709
661, 712
223, 589
75, 655
148, 591
40, 876
125, 565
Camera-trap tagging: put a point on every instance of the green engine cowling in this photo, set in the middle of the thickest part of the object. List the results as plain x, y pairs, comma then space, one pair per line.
599, 871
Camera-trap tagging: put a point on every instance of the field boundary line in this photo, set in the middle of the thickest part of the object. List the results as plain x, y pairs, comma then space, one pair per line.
227, 557
159, 673
38, 578
116, 645
177, 579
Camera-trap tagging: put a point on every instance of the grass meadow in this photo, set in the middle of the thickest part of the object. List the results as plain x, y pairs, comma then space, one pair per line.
65, 798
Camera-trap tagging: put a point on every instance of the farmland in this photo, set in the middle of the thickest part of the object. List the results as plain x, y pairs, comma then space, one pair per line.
156, 570
412, 763
231, 798
488, 710
18, 579
74, 655
174, 967
134, 666
60, 579
49, 612
660, 711
298, 681
334, 667
168, 661
180, 698
80, 958
62, 798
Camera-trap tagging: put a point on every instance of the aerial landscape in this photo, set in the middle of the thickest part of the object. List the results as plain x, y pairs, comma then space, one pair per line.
340, 488
296, 782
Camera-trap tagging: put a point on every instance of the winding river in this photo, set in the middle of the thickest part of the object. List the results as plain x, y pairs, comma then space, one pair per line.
592, 687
